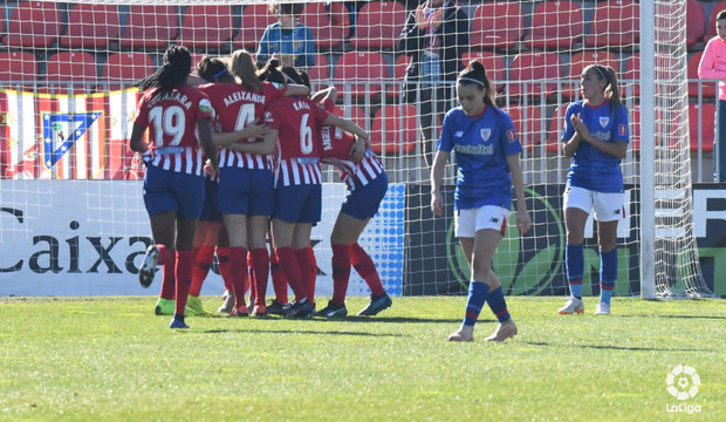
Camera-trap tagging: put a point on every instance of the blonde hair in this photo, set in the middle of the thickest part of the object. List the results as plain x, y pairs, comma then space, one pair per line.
243, 67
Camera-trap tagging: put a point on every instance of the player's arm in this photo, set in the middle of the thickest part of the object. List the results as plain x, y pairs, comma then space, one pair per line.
322, 95
437, 176
264, 147
204, 126
570, 147
297, 90
252, 130
524, 222
616, 149
136, 142
348, 126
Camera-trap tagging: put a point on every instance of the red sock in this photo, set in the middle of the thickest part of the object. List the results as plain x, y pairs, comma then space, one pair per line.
308, 269
261, 265
224, 269
168, 281
291, 268
341, 272
164, 254
238, 265
203, 258
183, 274
279, 282
251, 275
366, 269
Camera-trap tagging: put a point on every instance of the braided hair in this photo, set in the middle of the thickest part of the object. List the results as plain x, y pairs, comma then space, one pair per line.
173, 72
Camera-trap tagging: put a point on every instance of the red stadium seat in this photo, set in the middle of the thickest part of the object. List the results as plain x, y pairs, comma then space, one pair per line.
537, 72
91, 26
357, 68
708, 89
695, 22
632, 75
76, 67
555, 24
615, 24
634, 119
706, 123
393, 90
379, 25
255, 18
207, 27
557, 127
493, 63
17, 67
326, 34
400, 133
711, 27
497, 24
320, 73
127, 67
579, 62
34, 24
529, 124
150, 27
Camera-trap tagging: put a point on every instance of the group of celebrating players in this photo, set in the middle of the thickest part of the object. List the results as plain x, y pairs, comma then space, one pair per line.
243, 150
239, 156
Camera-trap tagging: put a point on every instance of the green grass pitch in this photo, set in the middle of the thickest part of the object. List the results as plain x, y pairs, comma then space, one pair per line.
102, 359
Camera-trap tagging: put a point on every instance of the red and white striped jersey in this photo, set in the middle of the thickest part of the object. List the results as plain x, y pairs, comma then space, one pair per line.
335, 149
236, 107
172, 119
297, 121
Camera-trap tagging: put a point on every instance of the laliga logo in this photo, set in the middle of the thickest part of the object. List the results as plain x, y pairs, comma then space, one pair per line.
683, 382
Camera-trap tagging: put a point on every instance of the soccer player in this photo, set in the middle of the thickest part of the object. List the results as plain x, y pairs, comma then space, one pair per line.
366, 185
245, 185
298, 193
487, 156
180, 120
596, 137
211, 233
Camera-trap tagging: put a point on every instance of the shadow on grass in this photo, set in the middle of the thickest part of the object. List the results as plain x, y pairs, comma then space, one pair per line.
294, 331
623, 348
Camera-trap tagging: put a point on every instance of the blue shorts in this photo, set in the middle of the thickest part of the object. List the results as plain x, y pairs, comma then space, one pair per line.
171, 191
245, 191
299, 203
210, 212
363, 202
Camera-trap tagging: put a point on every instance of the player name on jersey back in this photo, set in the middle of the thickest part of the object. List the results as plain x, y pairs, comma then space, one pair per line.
246, 96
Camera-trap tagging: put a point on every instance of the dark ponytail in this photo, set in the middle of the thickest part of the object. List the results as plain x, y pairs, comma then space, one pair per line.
476, 74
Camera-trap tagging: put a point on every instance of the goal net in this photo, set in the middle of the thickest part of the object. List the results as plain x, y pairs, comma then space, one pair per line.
73, 221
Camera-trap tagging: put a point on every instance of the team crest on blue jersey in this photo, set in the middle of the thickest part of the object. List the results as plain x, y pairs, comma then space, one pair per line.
604, 120
485, 134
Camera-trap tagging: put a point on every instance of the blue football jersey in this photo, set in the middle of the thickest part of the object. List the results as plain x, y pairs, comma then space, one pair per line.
482, 144
591, 168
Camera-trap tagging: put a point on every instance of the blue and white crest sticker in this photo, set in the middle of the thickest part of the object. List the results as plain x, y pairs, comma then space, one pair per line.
604, 120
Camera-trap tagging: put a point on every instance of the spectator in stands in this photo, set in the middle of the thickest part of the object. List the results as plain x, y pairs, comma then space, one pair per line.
713, 66
487, 156
288, 40
596, 137
435, 35
173, 184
